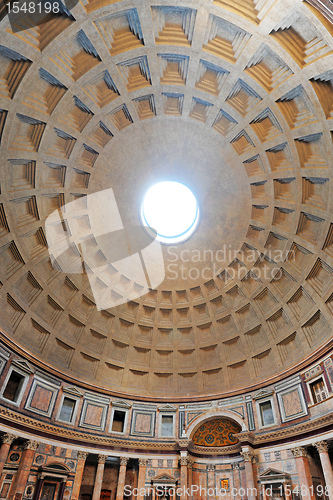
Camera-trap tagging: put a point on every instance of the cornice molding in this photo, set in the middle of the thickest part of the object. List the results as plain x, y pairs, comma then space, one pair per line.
285, 432
30, 425
221, 450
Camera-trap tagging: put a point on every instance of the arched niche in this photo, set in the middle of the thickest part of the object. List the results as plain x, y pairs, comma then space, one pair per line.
214, 415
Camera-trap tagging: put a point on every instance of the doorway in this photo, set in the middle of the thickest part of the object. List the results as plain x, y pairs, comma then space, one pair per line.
49, 491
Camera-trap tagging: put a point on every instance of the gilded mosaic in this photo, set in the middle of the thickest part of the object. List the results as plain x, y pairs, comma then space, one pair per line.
217, 432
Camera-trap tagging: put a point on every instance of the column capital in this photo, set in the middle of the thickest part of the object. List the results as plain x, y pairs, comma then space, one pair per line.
102, 458
82, 455
123, 461
8, 438
322, 446
299, 451
190, 463
247, 455
235, 466
183, 461
31, 445
210, 467
143, 462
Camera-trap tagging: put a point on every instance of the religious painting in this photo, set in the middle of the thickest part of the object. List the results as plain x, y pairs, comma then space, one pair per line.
224, 484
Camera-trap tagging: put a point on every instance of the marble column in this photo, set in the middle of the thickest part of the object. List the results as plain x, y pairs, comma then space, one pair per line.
250, 487
7, 440
38, 488
143, 462
23, 471
121, 478
236, 480
61, 490
255, 461
211, 482
303, 472
81, 456
264, 494
287, 491
183, 477
189, 473
99, 477
322, 448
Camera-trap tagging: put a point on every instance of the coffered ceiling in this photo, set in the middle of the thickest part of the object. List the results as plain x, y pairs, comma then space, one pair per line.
235, 100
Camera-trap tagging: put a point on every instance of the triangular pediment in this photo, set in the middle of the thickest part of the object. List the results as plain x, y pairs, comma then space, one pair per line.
268, 473
165, 478
23, 365
167, 408
73, 391
263, 394
121, 404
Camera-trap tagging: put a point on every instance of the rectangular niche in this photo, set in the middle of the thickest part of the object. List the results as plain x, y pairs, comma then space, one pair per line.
42, 397
143, 423
94, 412
291, 400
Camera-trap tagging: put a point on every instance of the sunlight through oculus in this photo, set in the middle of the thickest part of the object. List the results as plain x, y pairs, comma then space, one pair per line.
170, 209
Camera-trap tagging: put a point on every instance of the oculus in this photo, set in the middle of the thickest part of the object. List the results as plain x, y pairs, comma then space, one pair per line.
170, 211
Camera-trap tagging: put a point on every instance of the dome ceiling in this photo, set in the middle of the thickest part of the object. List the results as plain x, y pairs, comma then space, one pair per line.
234, 100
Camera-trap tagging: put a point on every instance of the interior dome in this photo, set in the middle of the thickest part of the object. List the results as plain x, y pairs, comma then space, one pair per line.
232, 99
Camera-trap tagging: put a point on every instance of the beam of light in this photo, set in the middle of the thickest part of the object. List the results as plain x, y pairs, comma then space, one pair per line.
170, 208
